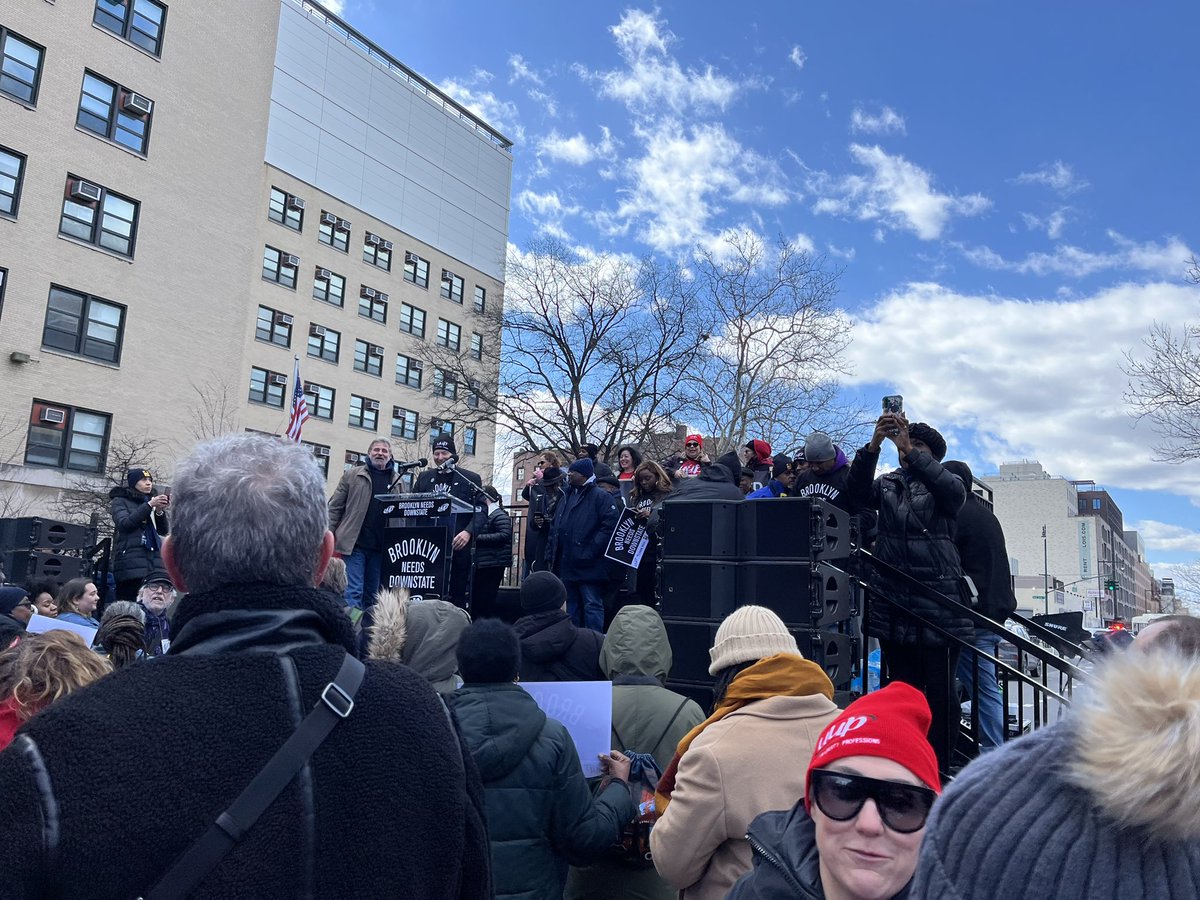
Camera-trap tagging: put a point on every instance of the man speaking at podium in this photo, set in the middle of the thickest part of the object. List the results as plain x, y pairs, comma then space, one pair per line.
447, 478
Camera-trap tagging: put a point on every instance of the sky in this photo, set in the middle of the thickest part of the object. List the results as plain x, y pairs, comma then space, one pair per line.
1008, 189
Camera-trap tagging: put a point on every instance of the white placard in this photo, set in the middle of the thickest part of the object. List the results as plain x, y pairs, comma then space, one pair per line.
39, 624
585, 708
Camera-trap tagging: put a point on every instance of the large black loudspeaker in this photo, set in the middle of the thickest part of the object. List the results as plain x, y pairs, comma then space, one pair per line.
22, 565
792, 528
699, 529
44, 534
832, 650
800, 593
698, 588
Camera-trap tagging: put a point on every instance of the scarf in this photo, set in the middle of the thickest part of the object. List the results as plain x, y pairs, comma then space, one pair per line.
781, 675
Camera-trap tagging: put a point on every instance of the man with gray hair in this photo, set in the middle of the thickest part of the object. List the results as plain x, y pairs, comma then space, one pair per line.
255, 650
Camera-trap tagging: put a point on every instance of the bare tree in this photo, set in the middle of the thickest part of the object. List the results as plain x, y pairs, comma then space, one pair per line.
771, 369
85, 499
14, 499
590, 349
1164, 384
215, 411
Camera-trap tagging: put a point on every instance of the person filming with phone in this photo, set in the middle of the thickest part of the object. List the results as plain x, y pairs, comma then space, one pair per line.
918, 507
140, 522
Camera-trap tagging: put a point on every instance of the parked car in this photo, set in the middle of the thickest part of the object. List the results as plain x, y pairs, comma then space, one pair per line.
1008, 651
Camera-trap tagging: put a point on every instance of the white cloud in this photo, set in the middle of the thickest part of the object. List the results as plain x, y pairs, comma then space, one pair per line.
1166, 259
798, 57
337, 7
549, 104
1052, 224
576, 150
1165, 538
888, 121
1040, 380
547, 212
895, 193
1056, 175
500, 114
518, 70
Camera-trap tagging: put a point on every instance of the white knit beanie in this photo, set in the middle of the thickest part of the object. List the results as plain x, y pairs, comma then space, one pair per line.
750, 633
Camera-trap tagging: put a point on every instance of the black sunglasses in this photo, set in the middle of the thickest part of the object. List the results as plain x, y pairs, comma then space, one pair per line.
840, 795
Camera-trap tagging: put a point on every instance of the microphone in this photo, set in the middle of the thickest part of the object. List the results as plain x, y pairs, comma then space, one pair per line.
415, 464
447, 466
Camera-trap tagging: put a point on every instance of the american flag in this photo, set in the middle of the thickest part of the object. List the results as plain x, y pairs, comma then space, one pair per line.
299, 405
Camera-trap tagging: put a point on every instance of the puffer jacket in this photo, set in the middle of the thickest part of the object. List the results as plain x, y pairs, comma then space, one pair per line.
540, 812
539, 497
918, 508
493, 539
131, 512
583, 523
553, 648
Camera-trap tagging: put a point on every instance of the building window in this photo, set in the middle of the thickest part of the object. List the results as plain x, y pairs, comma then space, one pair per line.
334, 231
439, 428
320, 400
412, 320
267, 387
273, 327
480, 299
329, 287
520, 473
452, 287
444, 384
12, 171
83, 325
404, 423
3, 277
20, 66
65, 437
408, 371
469, 438
286, 209
377, 252
473, 394
320, 453
449, 334
1096, 503
364, 412
97, 216
368, 358
372, 304
323, 343
115, 112
138, 21
476, 345
416, 270
279, 267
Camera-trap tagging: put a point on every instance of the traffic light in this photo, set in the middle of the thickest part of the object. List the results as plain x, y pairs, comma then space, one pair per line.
1110, 585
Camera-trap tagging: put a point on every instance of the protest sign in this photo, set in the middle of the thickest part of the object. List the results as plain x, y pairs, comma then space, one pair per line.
39, 623
629, 540
585, 708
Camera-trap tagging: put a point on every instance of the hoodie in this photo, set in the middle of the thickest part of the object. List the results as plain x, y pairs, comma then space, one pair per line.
422, 634
1105, 804
553, 648
717, 482
830, 485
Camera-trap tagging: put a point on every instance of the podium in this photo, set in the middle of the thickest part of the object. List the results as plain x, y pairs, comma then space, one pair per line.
418, 535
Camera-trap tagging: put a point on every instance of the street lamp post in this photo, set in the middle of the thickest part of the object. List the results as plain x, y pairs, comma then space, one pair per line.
1045, 573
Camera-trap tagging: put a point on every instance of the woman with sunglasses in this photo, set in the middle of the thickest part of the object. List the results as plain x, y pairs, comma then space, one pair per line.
856, 832
16, 609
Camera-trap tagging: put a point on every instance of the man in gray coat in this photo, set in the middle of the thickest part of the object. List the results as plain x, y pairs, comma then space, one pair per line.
356, 520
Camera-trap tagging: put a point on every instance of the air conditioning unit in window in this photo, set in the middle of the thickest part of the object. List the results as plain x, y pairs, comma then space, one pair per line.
368, 292
85, 190
136, 103
289, 259
316, 330
417, 364
397, 412
328, 218
447, 276
382, 297
54, 416
283, 319
321, 451
410, 257
323, 274
295, 203
375, 350
279, 379
310, 388
354, 458
386, 245
374, 239
343, 225
372, 405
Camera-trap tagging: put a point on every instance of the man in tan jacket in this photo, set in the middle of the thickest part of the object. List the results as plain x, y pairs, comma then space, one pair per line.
747, 758
356, 520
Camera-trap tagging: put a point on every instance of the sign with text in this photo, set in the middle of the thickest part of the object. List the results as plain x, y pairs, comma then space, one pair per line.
417, 558
39, 624
418, 505
585, 708
629, 540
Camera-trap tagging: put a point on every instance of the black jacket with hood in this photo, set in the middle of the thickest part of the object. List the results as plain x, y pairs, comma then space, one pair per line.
540, 812
981, 547
553, 648
137, 534
718, 481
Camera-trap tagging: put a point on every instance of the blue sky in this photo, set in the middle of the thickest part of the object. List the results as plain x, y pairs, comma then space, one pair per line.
1010, 188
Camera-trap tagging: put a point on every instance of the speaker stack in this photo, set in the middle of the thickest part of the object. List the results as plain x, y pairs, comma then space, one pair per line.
718, 555
35, 548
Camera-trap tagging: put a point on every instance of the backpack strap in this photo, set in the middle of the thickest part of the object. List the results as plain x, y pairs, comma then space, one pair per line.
336, 703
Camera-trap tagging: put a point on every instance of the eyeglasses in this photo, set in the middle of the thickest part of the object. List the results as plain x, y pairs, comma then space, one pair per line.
161, 590
841, 796
27, 603
691, 444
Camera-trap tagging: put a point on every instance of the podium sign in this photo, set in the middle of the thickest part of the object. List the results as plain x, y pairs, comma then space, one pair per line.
417, 544
417, 505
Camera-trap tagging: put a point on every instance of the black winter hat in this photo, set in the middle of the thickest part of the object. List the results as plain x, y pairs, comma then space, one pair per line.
445, 443
489, 652
11, 597
783, 464
133, 476
541, 592
930, 436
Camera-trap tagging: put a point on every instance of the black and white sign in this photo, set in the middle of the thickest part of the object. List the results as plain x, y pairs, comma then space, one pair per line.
629, 540
418, 559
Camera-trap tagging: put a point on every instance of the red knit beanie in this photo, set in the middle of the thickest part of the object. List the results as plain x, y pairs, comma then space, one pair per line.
699, 439
891, 723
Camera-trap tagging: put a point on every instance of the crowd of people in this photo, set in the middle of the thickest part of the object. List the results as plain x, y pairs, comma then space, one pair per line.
434, 774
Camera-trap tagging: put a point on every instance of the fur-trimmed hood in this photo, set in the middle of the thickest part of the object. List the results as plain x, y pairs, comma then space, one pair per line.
1137, 742
422, 634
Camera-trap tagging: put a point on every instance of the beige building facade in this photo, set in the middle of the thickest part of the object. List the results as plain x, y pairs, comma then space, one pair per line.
168, 250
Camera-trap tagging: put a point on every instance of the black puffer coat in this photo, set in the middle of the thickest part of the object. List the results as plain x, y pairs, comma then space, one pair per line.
918, 508
493, 539
553, 648
246, 665
540, 812
131, 513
